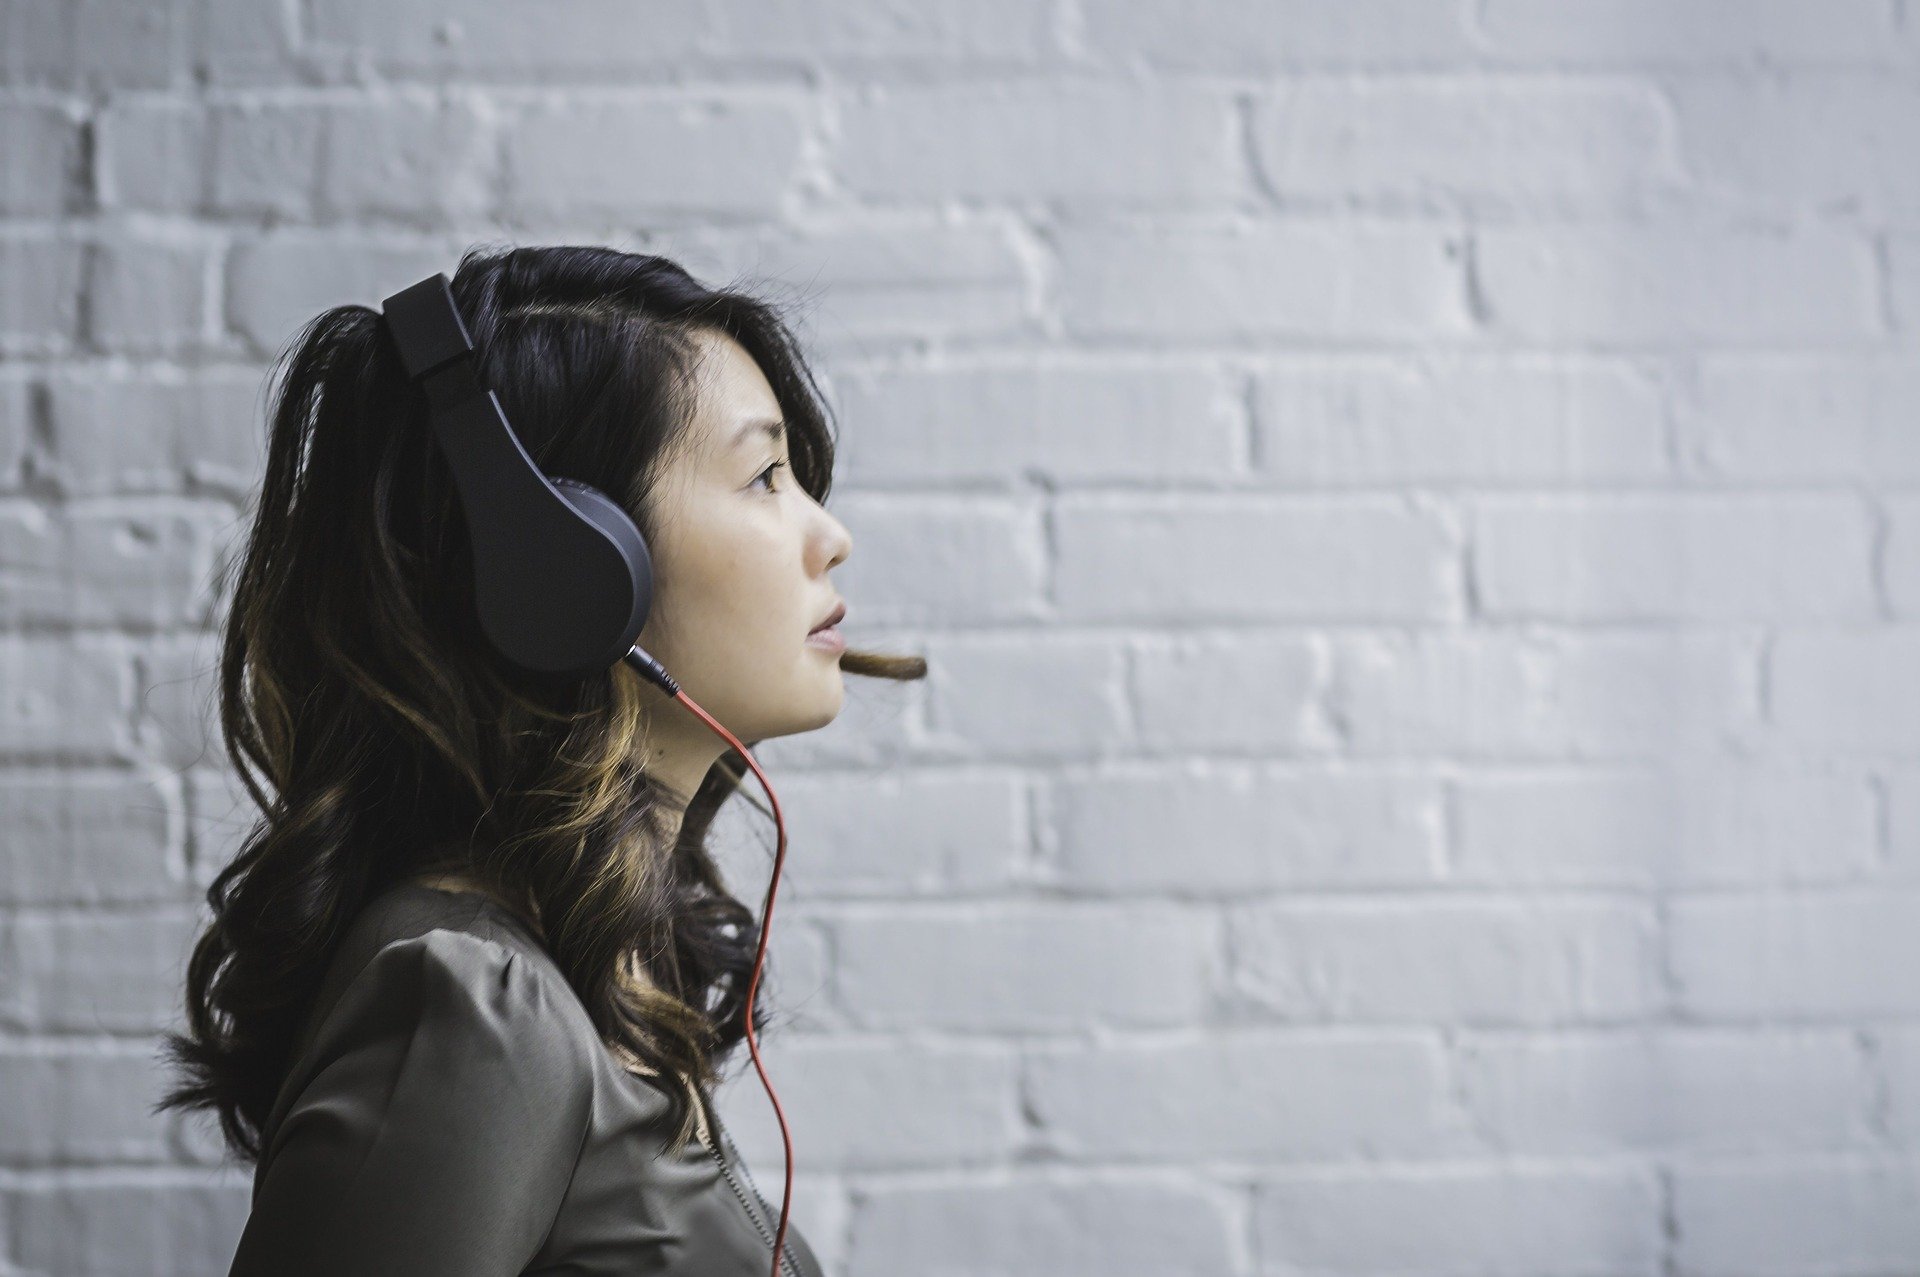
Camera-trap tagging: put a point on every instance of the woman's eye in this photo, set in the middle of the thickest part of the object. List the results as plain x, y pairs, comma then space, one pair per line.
767, 474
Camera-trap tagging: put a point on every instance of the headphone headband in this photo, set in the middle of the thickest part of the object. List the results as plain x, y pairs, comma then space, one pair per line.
427, 325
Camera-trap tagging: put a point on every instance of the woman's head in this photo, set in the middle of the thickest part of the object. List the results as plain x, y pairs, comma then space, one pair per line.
384, 731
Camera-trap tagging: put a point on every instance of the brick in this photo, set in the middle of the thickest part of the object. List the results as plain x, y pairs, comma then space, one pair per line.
149, 297
64, 695
40, 307
152, 154
1448, 961
1357, 558
1039, 1222
1901, 789
1819, 142
40, 173
1903, 281
894, 282
1249, 37
1253, 1092
1848, 689
1187, 281
1852, 1214
1091, 145
672, 156
1090, 421
857, 1105
1820, 956
1667, 1088
244, 42
945, 558
1499, 695
871, 36
1812, 417
126, 1221
143, 565
96, 44
1498, 1220
1631, 286
420, 35
1516, 146
80, 1103
91, 837
1655, 557
1027, 695
18, 395
948, 967
1248, 829
1900, 562
120, 431
411, 157
401, 155
1338, 421
1894, 1050
1638, 33
264, 159
1190, 691
1692, 823
74, 971
909, 831
281, 281
448, 36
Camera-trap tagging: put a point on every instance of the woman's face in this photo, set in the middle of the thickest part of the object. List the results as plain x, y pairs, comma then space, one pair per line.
740, 567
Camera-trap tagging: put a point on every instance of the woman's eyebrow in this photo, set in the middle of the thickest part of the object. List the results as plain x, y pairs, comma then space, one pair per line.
774, 429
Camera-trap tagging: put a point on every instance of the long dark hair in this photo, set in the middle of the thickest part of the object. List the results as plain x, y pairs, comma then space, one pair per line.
353, 681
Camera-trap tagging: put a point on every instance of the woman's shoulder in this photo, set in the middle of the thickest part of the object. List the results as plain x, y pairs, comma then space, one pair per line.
462, 964
459, 970
411, 941
440, 1097
405, 925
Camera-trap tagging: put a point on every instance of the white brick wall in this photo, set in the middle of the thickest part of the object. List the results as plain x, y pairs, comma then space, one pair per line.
1413, 507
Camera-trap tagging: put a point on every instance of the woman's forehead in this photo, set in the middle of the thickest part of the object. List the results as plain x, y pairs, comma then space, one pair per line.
733, 400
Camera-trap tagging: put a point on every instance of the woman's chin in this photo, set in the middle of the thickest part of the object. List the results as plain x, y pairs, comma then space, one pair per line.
837, 698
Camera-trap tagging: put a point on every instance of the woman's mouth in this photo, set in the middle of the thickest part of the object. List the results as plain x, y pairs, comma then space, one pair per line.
827, 633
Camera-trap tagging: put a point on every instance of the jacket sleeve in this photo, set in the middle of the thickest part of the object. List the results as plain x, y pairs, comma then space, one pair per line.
440, 1128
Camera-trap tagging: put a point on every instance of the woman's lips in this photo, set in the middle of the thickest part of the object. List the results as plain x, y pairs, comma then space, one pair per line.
827, 636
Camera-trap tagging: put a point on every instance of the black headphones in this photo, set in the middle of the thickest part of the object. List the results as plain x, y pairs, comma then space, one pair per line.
562, 578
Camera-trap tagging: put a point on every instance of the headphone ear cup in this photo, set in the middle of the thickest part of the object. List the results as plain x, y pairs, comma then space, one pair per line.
562, 579
601, 510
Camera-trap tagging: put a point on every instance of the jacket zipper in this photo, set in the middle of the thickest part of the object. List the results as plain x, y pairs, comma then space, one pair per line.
788, 1263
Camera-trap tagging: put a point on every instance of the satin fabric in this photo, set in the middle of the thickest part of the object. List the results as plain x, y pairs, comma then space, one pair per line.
451, 1110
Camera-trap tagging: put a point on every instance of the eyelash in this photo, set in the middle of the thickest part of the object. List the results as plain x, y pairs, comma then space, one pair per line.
768, 472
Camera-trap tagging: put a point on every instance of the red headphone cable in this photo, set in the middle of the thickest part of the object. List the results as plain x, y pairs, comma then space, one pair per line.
655, 673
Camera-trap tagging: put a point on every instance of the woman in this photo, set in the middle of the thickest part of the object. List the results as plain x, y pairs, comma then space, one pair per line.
471, 978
